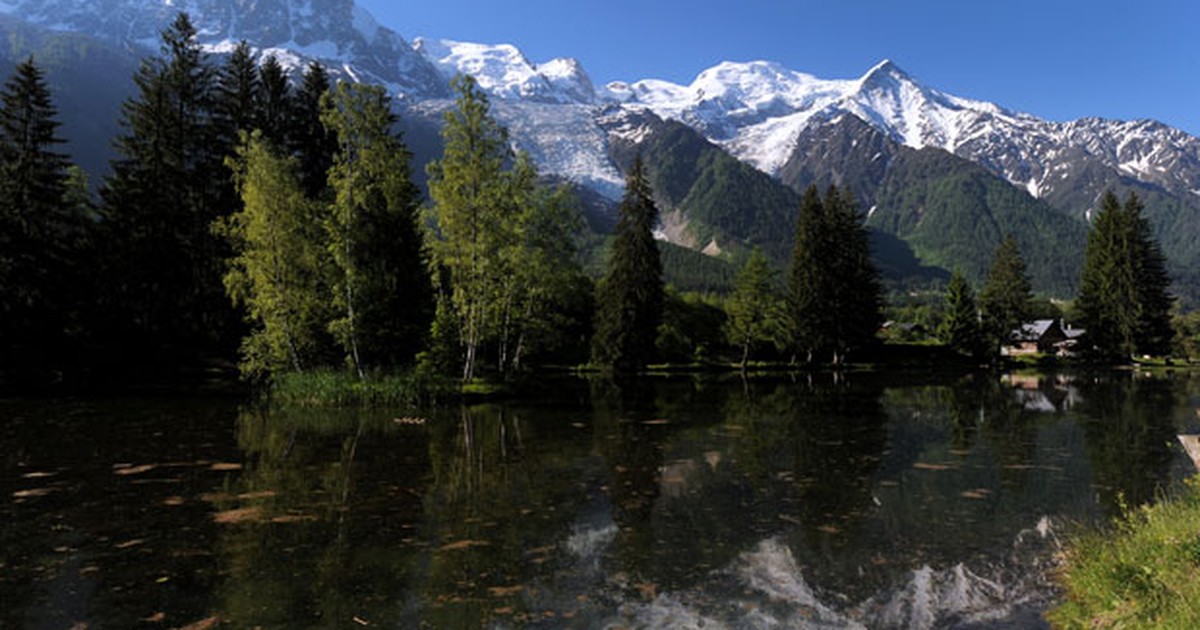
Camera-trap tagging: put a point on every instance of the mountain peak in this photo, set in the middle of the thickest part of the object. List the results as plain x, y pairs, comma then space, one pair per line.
885, 72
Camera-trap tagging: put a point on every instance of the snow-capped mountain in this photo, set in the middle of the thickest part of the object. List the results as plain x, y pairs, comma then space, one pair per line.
338, 33
759, 112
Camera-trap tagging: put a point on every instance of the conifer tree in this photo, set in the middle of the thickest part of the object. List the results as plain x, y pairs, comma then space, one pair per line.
469, 192
168, 185
237, 93
960, 329
1123, 303
808, 288
311, 142
1006, 299
755, 310
273, 108
630, 297
40, 231
835, 291
280, 269
381, 286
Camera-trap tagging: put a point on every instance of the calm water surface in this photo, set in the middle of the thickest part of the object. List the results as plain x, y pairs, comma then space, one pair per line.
859, 500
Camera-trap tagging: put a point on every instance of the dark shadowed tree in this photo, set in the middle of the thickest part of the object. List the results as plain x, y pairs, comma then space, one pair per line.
41, 230
629, 299
169, 183
1006, 299
311, 142
1124, 304
961, 330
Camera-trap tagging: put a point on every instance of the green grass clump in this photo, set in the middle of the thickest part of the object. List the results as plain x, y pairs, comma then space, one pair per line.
330, 388
1145, 573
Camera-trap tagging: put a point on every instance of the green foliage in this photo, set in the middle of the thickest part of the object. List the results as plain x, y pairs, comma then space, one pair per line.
381, 287
834, 287
629, 299
468, 190
1006, 299
1123, 302
1142, 574
280, 270
505, 243
691, 329
1186, 344
756, 310
961, 327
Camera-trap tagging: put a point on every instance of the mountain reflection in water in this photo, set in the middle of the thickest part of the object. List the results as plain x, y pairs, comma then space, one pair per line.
851, 500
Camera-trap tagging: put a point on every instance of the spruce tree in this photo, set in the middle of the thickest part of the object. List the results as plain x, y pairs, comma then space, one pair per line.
960, 329
381, 286
40, 230
755, 310
808, 286
855, 287
1123, 303
629, 299
168, 185
273, 109
311, 142
1006, 299
237, 93
834, 288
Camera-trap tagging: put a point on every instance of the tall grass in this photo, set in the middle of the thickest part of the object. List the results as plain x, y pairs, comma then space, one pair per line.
1144, 573
329, 388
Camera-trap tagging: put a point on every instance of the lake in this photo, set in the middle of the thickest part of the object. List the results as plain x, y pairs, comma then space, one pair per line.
814, 500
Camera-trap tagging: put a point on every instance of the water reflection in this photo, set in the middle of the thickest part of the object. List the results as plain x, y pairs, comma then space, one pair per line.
843, 500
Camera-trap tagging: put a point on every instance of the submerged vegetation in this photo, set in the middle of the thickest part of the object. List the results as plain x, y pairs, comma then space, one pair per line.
1143, 574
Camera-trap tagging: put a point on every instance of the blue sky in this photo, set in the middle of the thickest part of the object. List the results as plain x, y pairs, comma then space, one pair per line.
1056, 59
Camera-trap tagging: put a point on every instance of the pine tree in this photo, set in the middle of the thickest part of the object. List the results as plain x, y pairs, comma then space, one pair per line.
273, 108
311, 142
835, 292
1123, 303
755, 311
280, 269
469, 192
808, 288
1006, 299
1153, 331
630, 298
40, 230
237, 93
381, 287
167, 187
855, 287
960, 329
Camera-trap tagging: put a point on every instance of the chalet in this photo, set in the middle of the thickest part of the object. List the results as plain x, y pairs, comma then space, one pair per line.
1043, 336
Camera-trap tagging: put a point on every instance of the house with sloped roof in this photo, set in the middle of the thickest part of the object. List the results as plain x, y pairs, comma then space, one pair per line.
1041, 336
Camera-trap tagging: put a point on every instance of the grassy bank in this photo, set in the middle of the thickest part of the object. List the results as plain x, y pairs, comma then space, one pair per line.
1144, 573
340, 388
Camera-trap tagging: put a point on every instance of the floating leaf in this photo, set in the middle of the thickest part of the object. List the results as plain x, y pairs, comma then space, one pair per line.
225, 467
230, 517
463, 544
505, 591
125, 469
924, 466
